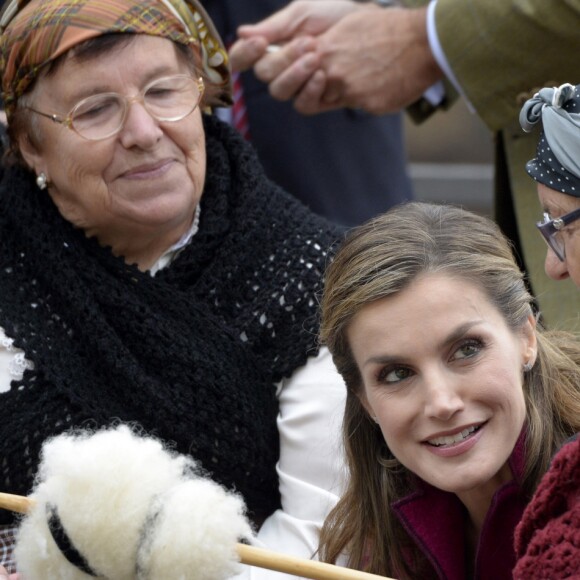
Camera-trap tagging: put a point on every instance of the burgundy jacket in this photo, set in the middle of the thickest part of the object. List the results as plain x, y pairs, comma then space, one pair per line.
435, 520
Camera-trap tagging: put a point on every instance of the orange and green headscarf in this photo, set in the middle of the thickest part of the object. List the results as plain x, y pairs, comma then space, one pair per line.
34, 33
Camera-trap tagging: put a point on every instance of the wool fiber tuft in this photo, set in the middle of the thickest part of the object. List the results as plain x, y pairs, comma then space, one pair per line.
132, 509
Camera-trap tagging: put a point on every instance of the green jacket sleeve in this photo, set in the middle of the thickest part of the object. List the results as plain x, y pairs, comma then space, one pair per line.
501, 51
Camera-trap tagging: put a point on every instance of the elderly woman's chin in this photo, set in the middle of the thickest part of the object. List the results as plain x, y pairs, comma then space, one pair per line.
141, 183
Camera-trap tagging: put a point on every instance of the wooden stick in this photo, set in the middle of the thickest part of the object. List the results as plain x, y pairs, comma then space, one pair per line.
249, 555
299, 566
15, 503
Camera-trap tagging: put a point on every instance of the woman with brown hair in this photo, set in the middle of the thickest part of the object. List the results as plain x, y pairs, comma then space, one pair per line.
457, 399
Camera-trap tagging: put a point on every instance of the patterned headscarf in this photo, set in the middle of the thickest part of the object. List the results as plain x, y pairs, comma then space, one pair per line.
557, 162
34, 33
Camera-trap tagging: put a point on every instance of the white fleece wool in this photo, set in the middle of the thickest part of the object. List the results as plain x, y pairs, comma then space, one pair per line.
105, 487
196, 529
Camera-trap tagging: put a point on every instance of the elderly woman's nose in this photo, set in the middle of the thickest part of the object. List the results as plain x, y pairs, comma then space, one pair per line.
555, 268
140, 128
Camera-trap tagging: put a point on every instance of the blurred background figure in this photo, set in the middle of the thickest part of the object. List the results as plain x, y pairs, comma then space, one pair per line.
346, 165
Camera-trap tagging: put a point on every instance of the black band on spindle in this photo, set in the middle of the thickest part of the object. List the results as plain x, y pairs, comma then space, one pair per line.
65, 544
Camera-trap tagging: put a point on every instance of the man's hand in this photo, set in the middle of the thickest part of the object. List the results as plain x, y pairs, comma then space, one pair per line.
378, 60
291, 34
336, 53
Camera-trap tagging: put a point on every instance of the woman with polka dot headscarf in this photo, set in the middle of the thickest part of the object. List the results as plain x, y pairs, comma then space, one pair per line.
556, 168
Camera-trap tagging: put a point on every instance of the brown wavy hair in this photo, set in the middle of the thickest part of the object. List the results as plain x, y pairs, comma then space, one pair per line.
377, 260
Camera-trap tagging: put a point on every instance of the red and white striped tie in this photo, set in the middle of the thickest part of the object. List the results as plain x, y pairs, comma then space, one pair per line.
239, 111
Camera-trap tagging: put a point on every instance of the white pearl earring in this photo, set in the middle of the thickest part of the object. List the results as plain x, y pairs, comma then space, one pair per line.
528, 367
42, 181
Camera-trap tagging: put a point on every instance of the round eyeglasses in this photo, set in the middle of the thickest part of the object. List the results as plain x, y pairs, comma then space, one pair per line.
551, 231
167, 99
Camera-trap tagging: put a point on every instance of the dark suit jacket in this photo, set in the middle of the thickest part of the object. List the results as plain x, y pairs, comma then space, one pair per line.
346, 165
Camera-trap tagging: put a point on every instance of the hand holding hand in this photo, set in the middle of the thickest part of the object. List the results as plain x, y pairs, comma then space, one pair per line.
375, 59
340, 54
291, 33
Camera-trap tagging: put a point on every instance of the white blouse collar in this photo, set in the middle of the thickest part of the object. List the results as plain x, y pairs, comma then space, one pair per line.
171, 253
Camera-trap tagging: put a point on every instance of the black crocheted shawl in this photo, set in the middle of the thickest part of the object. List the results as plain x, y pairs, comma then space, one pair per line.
191, 355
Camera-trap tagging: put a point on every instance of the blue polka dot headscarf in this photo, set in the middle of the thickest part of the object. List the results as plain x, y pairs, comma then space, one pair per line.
557, 161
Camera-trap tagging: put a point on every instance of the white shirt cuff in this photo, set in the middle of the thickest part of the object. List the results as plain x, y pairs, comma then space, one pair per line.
440, 57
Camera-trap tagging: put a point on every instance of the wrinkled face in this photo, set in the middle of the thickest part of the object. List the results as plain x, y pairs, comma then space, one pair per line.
558, 204
442, 373
147, 178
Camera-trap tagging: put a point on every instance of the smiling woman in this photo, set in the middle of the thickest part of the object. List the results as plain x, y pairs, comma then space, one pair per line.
442, 373
150, 273
456, 400
138, 192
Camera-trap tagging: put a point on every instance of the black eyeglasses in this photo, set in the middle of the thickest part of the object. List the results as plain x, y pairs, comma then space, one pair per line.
550, 229
167, 99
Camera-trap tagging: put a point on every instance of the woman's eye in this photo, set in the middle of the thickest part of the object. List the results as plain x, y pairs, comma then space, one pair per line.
95, 109
161, 93
158, 91
468, 349
394, 375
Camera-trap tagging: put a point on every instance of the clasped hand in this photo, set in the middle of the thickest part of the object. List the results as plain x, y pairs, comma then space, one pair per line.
339, 53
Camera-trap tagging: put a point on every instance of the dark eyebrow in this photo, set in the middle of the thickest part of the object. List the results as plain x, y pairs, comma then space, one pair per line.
455, 335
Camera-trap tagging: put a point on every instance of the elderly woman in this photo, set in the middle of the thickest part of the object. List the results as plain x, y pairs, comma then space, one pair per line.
556, 168
456, 400
149, 272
